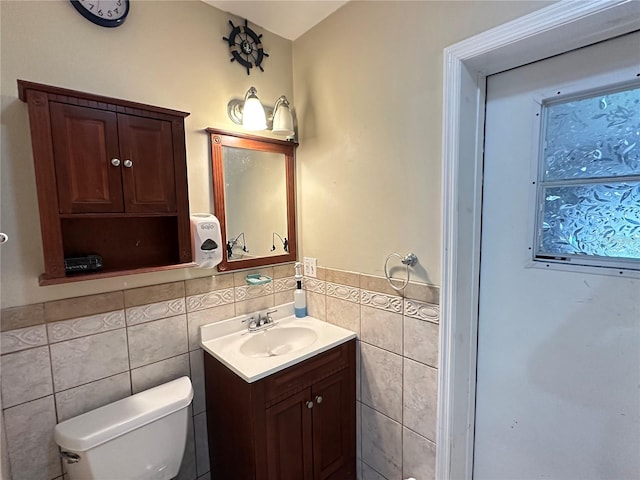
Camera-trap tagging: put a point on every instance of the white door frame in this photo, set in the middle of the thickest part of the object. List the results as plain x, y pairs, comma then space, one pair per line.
550, 31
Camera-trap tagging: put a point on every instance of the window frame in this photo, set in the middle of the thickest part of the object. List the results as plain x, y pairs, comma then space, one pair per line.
604, 84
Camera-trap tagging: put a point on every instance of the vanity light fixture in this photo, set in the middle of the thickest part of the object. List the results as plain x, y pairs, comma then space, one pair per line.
282, 118
252, 115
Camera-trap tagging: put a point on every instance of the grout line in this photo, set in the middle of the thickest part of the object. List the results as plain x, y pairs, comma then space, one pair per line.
420, 435
385, 478
402, 408
89, 383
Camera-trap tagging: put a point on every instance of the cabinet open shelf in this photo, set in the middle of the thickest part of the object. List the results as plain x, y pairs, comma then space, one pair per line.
106, 273
123, 243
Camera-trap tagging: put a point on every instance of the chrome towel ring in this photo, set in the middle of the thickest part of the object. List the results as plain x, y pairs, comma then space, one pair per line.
409, 260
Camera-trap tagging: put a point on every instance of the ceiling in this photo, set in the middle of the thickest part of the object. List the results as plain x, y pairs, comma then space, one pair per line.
287, 18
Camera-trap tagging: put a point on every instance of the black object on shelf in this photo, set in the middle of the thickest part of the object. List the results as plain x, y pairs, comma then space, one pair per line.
88, 263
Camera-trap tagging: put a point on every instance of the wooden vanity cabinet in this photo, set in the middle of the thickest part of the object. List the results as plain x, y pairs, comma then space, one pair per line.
297, 424
112, 180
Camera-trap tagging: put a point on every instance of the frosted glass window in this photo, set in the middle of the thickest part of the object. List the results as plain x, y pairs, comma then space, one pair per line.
589, 180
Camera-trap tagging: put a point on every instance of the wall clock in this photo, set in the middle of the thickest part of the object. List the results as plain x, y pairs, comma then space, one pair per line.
106, 13
245, 46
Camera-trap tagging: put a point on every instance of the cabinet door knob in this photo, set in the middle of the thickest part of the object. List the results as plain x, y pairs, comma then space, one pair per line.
309, 404
128, 163
115, 162
319, 399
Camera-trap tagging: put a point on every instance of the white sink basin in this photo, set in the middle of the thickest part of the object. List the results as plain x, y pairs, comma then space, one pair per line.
255, 355
278, 341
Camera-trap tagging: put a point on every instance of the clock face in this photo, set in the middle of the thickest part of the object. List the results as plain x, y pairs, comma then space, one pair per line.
106, 13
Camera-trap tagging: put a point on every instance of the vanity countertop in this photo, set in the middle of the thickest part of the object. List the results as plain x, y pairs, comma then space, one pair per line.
255, 355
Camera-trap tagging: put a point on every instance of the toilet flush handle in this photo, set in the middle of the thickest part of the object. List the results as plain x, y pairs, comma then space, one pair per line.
70, 457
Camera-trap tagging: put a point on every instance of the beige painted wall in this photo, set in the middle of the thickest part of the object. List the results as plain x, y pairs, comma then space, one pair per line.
368, 95
169, 54
368, 90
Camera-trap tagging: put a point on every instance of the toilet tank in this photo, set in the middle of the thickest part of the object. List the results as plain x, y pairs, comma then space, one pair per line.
140, 437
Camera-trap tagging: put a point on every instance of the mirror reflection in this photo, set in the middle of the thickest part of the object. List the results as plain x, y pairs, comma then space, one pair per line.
253, 179
255, 203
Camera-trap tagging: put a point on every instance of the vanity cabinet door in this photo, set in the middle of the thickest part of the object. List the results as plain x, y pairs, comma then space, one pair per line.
296, 424
289, 438
85, 140
334, 427
311, 435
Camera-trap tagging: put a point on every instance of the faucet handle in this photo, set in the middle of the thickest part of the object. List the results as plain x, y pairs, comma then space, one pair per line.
268, 315
252, 323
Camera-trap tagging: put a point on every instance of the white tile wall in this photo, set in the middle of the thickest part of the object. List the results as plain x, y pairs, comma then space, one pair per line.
202, 317
382, 443
419, 456
26, 375
421, 341
397, 370
382, 328
83, 326
83, 360
76, 401
23, 338
210, 299
160, 372
202, 443
155, 311
29, 429
62, 369
419, 400
381, 380
197, 380
153, 341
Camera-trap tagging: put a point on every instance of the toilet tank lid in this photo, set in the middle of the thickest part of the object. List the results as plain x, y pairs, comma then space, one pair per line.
98, 426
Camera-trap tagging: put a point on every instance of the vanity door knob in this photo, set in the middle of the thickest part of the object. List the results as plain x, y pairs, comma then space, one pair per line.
128, 163
115, 162
309, 404
319, 399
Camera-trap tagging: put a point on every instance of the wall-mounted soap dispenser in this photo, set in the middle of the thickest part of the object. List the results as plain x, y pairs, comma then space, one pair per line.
206, 240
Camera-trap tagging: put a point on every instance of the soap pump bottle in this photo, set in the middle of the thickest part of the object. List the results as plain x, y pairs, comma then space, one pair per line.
299, 300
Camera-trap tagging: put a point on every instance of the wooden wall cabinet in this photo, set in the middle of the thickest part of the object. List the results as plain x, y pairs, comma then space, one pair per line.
112, 180
297, 424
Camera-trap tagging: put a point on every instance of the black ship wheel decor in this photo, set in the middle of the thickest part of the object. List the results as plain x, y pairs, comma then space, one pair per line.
246, 47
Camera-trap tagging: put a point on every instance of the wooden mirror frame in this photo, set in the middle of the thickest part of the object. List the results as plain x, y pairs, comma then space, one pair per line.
222, 138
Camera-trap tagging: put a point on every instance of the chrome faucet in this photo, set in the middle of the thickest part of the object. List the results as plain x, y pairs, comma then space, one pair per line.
262, 323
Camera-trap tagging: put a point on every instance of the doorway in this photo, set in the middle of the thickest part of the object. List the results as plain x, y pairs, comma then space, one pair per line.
555, 29
558, 345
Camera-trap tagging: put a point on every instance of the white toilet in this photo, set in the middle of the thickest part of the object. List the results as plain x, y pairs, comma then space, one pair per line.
140, 437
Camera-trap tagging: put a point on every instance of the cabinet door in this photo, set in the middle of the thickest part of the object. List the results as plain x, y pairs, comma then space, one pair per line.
334, 427
148, 175
289, 450
85, 140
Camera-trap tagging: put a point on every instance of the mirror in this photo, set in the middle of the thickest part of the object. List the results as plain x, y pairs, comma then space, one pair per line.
254, 196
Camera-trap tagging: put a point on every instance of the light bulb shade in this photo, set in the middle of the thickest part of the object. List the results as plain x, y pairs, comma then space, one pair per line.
282, 118
253, 116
